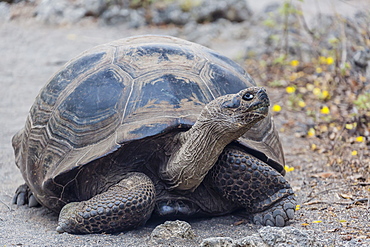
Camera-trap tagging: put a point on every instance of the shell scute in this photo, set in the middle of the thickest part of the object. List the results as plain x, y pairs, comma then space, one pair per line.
161, 52
66, 76
171, 89
92, 106
140, 60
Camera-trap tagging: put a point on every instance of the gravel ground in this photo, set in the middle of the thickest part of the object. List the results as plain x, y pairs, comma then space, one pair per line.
31, 52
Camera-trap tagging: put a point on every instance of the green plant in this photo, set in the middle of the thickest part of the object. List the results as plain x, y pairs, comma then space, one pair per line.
187, 5
363, 101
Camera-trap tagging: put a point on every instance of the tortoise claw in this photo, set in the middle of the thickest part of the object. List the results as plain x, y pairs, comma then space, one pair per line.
278, 215
20, 197
23, 196
32, 202
60, 229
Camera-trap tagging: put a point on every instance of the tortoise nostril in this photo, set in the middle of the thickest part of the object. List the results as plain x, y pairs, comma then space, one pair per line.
262, 95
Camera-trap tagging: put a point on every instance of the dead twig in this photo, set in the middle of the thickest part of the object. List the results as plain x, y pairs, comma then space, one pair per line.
10, 209
363, 184
361, 200
314, 195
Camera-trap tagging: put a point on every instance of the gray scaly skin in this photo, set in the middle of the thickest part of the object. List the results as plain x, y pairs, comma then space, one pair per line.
255, 186
125, 205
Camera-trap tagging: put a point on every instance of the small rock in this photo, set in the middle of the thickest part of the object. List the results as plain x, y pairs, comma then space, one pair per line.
59, 12
279, 237
251, 241
218, 242
232, 10
137, 18
169, 14
115, 15
361, 63
94, 7
173, 229
118, 15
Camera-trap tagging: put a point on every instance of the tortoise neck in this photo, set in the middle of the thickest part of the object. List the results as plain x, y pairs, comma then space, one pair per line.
196, 151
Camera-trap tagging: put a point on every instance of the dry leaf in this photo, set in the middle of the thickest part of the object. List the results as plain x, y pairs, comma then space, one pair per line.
347, 238
239, 222
312, 202
346, 196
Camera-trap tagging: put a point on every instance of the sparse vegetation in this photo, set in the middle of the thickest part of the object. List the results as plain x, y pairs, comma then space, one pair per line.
325, 96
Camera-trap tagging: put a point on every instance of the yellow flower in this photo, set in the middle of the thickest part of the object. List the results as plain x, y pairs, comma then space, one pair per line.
329, 60
349, 126
305, 224
313, 146
342, 221
276, 108
288, 168
325, 110
297, 207
360, 139
301, 103
294, 63
354, 153
317, 221
325, 94
318, 70
311, 132
290, 89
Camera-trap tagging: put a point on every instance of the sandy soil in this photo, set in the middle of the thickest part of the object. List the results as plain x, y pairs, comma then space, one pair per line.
31, 53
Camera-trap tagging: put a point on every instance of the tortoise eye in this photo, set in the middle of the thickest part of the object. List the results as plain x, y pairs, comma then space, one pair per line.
248, 96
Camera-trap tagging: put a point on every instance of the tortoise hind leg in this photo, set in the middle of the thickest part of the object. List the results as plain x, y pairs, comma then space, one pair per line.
124, 206
254, 185
23, 195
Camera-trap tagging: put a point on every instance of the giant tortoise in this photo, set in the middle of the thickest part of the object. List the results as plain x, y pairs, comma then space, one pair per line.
151, 125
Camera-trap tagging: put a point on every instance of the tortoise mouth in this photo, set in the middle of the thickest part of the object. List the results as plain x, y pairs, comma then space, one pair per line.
255, 113
261, 108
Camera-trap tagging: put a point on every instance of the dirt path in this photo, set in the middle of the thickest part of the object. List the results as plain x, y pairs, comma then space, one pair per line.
31, 53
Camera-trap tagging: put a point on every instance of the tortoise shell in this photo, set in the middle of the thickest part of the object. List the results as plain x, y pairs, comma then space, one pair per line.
127, 90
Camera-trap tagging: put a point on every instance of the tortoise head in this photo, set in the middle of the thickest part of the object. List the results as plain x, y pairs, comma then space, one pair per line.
238, 112
221, 121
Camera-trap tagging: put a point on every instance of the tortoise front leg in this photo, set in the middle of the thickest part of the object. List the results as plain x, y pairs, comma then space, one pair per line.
123, 206
254, 185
